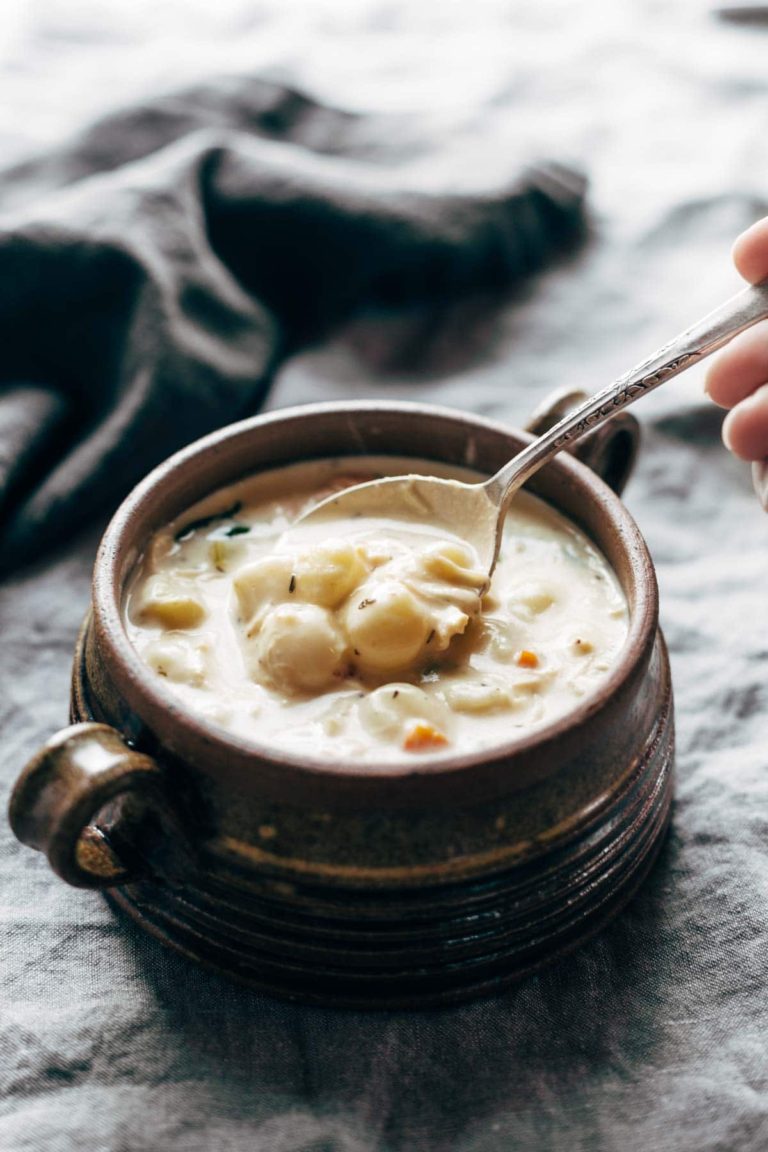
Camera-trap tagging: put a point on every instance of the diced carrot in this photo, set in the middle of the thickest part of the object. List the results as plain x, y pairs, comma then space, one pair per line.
423, 735
527, 659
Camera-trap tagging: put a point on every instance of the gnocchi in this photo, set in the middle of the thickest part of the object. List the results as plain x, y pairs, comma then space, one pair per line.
377, 642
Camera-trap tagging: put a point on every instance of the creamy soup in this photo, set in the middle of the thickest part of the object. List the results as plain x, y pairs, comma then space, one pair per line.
368, 639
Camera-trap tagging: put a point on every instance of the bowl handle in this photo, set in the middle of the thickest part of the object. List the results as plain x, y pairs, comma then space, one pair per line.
610, 451
73, 778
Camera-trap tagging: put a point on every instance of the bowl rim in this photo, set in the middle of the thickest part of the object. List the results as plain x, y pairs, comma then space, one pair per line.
197, 740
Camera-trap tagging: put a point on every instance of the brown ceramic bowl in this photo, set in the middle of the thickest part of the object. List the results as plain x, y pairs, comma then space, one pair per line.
374, 885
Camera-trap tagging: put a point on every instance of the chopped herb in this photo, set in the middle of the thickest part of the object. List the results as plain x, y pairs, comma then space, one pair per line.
204, 521
366, 603
431, 636
396, 693
292, 584
238, 530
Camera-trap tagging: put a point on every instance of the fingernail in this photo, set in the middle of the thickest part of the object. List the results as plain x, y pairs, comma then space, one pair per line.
760, 481
726, 431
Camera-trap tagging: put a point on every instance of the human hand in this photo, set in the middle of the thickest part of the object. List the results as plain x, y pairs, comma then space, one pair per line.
737, 378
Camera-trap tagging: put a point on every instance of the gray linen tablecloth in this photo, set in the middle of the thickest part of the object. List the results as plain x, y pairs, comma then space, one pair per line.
654, 1036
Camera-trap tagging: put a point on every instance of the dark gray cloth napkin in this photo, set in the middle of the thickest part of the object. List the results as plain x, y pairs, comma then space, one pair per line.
155, 272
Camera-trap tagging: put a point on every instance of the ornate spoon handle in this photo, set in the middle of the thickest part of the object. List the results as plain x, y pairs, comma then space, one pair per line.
690, 346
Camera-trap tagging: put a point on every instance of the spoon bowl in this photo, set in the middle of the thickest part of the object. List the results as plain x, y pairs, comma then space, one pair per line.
468, 511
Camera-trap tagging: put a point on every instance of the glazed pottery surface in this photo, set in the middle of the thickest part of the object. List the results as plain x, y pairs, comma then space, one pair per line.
359, 885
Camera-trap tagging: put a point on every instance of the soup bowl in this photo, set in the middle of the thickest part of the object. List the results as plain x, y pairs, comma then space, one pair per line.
363, 885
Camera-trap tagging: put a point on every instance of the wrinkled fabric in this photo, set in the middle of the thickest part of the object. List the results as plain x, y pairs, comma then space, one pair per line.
654, 1035
155, 273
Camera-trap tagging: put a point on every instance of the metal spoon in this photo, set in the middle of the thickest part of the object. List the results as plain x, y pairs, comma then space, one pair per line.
475, 512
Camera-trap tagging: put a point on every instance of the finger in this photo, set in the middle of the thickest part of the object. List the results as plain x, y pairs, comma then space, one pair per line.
745, 429
740, 368
750, 252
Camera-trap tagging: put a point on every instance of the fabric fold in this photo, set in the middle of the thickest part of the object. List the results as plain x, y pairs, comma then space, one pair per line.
156, 291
